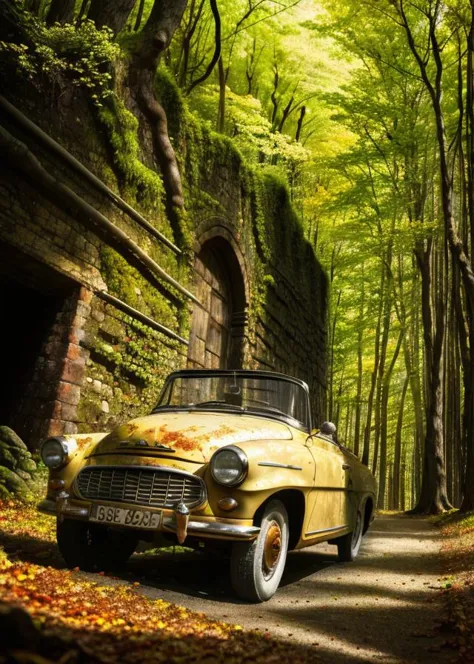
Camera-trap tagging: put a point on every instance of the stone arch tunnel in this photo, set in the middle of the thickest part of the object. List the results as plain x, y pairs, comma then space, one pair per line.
98, 303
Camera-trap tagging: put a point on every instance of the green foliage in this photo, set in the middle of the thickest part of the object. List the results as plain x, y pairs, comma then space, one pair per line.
81, 54
251, 131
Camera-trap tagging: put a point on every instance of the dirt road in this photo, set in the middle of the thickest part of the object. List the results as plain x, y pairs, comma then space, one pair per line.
380, 608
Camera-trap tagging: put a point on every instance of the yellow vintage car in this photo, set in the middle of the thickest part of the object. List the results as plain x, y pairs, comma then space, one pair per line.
227, 459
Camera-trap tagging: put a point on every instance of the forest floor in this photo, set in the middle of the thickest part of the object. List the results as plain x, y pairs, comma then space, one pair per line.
391, 605
457, 556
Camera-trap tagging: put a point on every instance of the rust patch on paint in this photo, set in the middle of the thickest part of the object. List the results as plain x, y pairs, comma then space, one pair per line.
82, 442
223, 430
178, 440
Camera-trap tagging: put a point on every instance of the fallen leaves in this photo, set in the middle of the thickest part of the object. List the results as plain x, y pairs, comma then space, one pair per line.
458, 584
75, 619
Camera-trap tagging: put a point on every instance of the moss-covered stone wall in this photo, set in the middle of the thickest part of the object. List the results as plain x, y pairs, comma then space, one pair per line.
121, 361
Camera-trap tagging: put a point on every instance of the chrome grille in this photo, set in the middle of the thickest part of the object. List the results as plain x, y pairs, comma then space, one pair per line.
153, 487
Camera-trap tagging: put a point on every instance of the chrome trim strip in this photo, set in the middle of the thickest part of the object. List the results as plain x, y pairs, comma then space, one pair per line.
215, 528
272, 464
47, 506
325, 530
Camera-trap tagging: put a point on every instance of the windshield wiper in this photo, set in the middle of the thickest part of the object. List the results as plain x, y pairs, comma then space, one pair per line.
216, 402
167, 406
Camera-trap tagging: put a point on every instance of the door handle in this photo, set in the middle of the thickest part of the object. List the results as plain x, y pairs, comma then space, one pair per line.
345, 466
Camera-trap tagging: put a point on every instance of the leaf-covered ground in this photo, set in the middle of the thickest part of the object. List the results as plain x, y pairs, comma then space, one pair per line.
76, 620
458, 563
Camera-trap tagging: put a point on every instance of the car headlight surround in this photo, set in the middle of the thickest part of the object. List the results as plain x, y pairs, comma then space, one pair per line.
56, 451
229, 466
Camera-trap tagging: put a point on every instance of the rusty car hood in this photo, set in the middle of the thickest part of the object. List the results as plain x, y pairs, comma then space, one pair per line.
191, 436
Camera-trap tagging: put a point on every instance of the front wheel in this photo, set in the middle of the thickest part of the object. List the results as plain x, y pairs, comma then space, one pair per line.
348, 546
93, 548
257, 566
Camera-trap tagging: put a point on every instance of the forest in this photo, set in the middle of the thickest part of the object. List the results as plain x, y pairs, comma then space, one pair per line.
364, 108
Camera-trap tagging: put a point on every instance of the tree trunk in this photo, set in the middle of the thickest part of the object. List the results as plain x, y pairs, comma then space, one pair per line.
139, 17
155, 37
397, 474
373, 384
60, 11
331, 370
387, 307
34, 6
384, 421
359, 373
468, 361
299, 125
433, 496
221, 108
110, 13
403, 470
82, 11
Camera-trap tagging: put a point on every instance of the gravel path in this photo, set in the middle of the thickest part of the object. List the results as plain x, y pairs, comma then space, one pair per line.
382, 607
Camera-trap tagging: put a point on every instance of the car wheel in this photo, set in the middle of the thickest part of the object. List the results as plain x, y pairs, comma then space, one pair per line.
91, 547
348, 546
257, 566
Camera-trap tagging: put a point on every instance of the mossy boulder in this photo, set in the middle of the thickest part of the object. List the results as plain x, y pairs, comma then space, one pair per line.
17, 467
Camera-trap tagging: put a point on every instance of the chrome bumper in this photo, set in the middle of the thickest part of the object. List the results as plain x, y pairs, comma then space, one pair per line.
47, 507
216, 529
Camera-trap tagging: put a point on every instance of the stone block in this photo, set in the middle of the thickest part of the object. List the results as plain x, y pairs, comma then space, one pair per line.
69, 393
69, 412
70, 427
98, 315
55, 428
74, 371
85, 295
76, 352
76, 335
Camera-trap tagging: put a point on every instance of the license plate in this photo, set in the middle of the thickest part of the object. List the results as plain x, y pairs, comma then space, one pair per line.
123, 517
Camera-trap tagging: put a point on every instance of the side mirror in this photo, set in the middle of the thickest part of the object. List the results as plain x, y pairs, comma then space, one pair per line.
328, 429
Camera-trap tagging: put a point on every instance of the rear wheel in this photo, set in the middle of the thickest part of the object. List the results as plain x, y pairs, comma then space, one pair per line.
348, 546
92, 547
257, 566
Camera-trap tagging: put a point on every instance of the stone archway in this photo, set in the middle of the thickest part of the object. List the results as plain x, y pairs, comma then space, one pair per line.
218, 328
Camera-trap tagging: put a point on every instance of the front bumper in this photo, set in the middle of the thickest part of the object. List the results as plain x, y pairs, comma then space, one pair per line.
202, 527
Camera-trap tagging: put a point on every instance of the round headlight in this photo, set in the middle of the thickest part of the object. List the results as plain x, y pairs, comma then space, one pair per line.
229, 466
55, 451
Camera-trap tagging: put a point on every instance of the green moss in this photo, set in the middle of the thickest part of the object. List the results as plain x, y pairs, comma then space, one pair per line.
171, 98
144, 185
126, 283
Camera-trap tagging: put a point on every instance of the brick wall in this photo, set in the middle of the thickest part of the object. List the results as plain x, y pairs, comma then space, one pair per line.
100, 365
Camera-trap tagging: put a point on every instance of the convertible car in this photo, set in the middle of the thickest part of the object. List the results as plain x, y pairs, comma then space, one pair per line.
228, 459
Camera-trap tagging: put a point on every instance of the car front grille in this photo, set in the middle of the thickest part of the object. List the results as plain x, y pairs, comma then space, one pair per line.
153, 487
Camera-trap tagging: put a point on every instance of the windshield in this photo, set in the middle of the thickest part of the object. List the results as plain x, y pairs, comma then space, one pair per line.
262, 395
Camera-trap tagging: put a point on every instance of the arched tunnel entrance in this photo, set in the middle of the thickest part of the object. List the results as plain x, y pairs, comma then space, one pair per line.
34, 298
218, 325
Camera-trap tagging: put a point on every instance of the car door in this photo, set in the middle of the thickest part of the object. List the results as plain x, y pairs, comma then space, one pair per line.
327, 500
